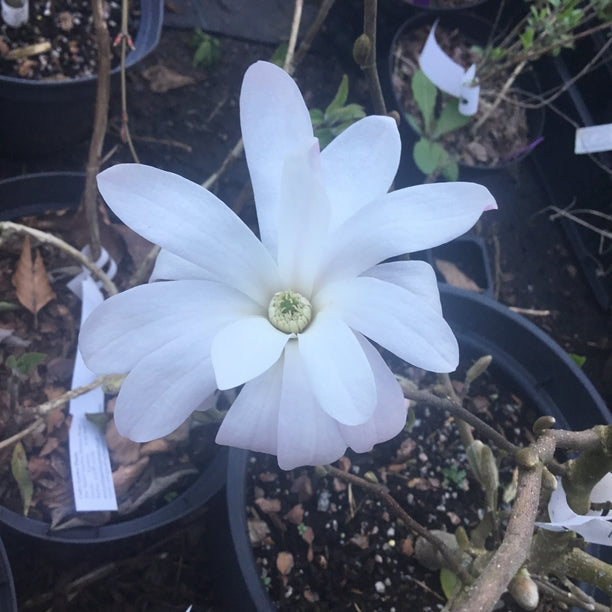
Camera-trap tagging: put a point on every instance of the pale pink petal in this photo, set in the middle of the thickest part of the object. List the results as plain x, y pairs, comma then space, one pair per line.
303, 218
359, 165
389, 417
252, 421
164, 388
190, 222
415, 276
403, 221
394, 318
274, 121
306, 434
244, 349
339, 373
127, 327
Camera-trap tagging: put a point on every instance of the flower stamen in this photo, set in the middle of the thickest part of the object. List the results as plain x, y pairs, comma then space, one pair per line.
289, 311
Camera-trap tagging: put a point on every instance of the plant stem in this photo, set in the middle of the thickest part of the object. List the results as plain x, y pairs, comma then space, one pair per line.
295, 27
459, 411
46, 407
484, 593
517, 70
47, 238
90, 196
125, 41
381, 492
370, 9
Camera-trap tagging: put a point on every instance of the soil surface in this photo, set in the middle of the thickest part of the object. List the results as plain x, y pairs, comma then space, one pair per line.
190, 130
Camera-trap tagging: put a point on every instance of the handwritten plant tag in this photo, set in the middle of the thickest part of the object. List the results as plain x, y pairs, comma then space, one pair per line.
92, 478
449, 76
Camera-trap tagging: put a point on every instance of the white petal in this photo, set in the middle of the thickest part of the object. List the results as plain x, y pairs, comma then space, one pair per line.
190, 222
127, 327
169, 266
389, 417
304, 218
252, 420
274, 121
394, 318
164, 389
404, 221
415, 276
602, 491
306, 434
359, 165
340, 375
244, 349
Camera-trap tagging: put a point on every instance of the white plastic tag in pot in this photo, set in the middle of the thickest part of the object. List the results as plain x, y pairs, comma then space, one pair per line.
449, 76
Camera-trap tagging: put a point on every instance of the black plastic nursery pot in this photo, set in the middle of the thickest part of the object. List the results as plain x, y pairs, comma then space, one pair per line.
35, 194
8, 601
41, 117
477, 30
524, 358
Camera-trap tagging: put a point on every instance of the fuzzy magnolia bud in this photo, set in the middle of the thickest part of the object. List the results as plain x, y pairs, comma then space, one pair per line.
542, 424
527, 458
480, 367
524, 590
362, 49
111, 385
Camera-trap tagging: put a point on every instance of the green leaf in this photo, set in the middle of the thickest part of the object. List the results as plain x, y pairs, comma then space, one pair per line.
579, 360
19, 468
316, 116
25, 364
99, 419
279, 55
450, 119
428, 155
448, 582
4, 306
527, 38
325, 136
340, 97
414, 124
451, 170
425, 94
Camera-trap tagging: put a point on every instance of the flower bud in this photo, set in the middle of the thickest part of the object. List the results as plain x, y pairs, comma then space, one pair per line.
524, 590
480, 367
361, 49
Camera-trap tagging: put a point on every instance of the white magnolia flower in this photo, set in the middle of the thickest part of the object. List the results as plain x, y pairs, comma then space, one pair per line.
286, 316
594, 526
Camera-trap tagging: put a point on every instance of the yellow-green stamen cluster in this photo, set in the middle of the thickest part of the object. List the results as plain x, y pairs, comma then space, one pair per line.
289, 311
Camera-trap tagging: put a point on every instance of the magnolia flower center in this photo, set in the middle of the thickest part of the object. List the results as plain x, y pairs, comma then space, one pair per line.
289, 311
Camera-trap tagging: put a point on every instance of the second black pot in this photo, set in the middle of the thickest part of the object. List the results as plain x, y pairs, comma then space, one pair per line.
525, 360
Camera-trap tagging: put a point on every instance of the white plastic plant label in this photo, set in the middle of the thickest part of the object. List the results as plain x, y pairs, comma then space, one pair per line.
15, 12
594, 527
92, 478
449, 76
593, 139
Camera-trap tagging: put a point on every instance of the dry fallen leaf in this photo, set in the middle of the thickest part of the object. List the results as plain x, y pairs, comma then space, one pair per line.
126, 475
123, 451
455, 277
30, 280
268, 505
295, 515
162, 79
284, 562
